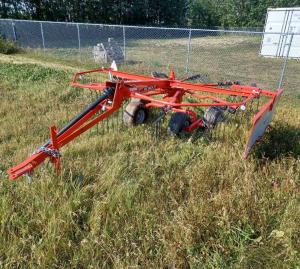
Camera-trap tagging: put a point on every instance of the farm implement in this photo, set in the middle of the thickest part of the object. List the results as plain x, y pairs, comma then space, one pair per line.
182, 99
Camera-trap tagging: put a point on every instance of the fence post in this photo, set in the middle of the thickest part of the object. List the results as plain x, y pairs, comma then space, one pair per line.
14, 30
124, 43
79, 45
188, 53
42, 33
283, 69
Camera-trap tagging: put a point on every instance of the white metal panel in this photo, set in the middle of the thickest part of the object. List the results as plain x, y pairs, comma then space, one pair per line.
295, 48
276, 16
271, 41
280, 23
296, 16
270, 45
295, 28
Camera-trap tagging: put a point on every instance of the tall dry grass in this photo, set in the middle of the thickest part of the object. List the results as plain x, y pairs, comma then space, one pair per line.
123, 202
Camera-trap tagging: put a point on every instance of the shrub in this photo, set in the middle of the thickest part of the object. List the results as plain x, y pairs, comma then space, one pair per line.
7, 46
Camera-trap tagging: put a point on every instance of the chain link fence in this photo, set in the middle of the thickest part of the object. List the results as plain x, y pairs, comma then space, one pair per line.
216, 54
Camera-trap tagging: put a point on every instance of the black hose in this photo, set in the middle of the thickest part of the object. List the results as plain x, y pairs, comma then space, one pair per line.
107, 93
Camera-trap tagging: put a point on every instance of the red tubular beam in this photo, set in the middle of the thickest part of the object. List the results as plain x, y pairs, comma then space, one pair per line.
69, 134
155, 92
142, 87
216, 99
165, 103
128, 76
91, 86
28, 165
86, 127
53, 136
138, 79
148, 83
197, 87
251, 89
37, 158
81, 121
196, 124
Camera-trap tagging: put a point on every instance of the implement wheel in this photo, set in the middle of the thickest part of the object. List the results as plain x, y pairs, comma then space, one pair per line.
135, 113
178, 122
213, 116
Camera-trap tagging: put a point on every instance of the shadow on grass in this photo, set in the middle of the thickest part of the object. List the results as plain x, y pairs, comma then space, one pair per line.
279, 141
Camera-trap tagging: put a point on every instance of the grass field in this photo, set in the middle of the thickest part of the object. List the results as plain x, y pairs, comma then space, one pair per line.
121, 202
222, 57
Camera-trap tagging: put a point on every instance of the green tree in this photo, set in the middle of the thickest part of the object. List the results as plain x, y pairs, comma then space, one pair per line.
202, 13
196, 13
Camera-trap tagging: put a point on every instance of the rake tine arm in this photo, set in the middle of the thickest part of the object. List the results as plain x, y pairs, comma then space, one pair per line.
37, 157
219, 102
73, 129
76, 133
237, 90
224, 102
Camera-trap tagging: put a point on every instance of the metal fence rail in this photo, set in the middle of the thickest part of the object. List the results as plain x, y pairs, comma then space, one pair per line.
218, 54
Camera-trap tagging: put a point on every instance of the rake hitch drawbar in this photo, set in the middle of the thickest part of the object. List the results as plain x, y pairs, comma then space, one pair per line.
162, 92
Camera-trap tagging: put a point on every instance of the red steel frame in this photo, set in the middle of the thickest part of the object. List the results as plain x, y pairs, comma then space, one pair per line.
169, 93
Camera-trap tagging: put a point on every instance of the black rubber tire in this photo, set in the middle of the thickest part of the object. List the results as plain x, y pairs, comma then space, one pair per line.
212, 116
178, 121
231, 110
135, 113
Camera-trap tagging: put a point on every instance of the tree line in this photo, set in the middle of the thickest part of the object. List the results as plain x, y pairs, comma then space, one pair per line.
195, 13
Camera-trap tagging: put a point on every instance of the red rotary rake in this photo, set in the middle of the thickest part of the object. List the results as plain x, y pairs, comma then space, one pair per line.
177, 97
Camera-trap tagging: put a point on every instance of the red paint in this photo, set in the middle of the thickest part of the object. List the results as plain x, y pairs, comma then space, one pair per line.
145, 87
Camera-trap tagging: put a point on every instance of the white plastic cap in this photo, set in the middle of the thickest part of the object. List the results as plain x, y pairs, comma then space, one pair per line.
113, 66
242, 107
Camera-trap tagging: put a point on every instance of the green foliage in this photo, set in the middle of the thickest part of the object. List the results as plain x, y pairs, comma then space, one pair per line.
202, 14
7, 46
135, 12
249, 13
197, 13
30, 73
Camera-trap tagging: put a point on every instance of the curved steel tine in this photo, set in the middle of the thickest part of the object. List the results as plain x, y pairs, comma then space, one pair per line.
118, 115
257, 107
107, 125
225, 122
98, 113
112, 122
242, 115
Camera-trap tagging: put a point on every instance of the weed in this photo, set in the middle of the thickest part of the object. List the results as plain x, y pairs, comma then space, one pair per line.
8, 47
